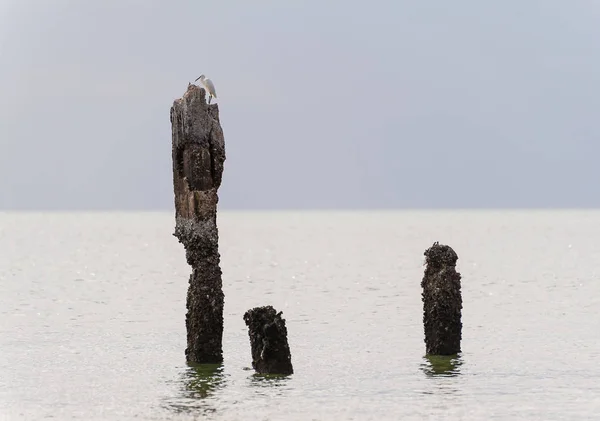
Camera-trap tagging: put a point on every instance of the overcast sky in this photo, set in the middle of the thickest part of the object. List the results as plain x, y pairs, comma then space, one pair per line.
324, 104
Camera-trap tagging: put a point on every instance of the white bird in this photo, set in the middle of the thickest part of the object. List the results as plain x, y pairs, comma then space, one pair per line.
209, 86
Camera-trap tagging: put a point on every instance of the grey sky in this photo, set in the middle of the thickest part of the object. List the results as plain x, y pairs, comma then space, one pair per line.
324, 104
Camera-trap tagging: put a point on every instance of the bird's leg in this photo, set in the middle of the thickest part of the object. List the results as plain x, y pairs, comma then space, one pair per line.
209, 98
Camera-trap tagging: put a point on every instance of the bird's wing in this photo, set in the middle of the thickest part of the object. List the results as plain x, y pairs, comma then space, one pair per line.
211, 87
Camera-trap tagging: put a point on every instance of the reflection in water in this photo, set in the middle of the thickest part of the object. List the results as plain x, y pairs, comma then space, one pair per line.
442, 368
269, 384
442, 365
199, 382
202, 380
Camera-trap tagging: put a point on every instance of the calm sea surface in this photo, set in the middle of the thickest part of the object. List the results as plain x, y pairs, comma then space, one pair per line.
92, 317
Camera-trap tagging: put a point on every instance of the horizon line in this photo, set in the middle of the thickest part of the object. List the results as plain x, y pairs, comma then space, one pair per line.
315, 209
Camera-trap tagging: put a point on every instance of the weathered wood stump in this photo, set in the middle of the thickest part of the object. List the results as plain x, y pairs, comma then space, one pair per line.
268, 341
442, 301
198, 159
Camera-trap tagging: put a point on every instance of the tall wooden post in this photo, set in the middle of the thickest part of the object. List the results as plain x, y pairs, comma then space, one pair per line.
198, 158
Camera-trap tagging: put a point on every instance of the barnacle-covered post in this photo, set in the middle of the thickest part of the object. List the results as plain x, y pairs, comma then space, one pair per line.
442, 301
198, 158
268, 341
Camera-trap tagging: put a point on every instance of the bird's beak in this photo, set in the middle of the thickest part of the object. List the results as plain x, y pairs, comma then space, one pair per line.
197, 78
